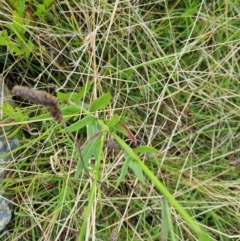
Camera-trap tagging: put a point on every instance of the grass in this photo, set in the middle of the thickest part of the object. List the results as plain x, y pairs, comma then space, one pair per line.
172, 69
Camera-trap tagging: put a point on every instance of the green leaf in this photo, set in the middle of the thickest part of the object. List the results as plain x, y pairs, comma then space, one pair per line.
41, 117
129, 162
21, 7
146, 149
3, 42
80, 124
61, 96
137, 170
122, 128
84, 90
115, 119
8, 109
29, 48
167, 221
101, 102
88, 152
12, 47
19, 116
124, 170
73, 109
14, 132
16, 113
74, 96
70, 110
4, 38
41, 9
92, 129
17, 23
4, 33
92, 147
10, 27
12, 2
48, 3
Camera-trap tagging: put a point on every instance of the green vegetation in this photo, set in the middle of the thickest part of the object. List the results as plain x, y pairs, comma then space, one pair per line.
150, 90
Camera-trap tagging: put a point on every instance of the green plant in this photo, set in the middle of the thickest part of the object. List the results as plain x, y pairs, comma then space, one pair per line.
172, 70
17, 37
97, 130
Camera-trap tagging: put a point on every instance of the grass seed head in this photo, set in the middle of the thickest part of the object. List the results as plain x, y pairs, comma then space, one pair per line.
39, 97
